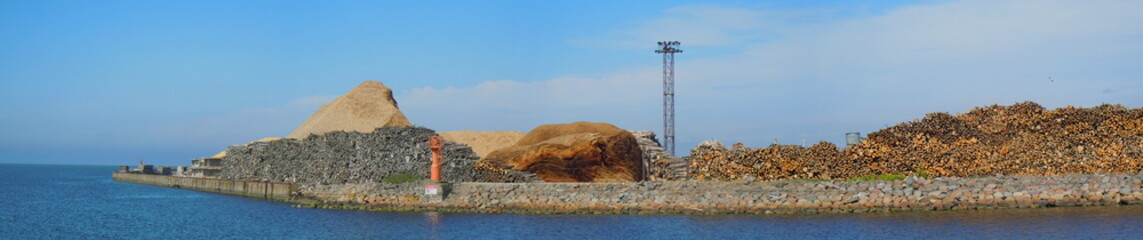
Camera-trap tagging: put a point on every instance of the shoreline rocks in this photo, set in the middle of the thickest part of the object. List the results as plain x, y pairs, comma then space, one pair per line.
716, 197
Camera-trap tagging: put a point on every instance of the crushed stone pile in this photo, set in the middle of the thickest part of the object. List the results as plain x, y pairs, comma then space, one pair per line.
355, 157
1021, 139
267, 139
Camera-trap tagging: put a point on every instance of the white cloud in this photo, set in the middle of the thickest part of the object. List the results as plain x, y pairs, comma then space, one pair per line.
792, 80
514, 105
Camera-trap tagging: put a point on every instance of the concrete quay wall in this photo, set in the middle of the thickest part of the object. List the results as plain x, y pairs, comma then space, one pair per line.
790, 196
257, 189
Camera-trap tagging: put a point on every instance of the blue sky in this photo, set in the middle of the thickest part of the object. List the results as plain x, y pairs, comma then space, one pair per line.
108, 82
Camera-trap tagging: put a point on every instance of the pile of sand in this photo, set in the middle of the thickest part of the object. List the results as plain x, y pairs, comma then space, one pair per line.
552, 131
363, 109
483, 142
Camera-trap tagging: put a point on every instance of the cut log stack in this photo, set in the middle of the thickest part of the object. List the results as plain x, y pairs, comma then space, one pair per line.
660, 165
1021, 139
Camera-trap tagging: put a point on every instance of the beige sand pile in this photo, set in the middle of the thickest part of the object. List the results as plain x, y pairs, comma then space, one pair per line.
483, 142
550, 132
365, 108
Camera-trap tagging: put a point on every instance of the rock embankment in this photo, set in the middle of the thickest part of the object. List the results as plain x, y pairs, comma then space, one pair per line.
354, 157
746, 197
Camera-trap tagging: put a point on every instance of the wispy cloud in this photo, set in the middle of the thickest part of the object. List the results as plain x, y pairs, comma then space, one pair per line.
791, 80
515, 105
697, 25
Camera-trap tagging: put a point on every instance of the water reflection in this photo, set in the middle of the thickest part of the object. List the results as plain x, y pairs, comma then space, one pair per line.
434, 221
433, 218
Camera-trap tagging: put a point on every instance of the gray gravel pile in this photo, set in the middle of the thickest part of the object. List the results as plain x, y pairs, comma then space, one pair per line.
353, 157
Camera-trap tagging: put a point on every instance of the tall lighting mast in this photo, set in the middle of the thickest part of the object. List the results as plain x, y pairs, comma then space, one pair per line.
667, 48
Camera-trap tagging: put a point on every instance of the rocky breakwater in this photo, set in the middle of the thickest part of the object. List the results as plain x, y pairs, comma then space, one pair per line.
1021, 139
354, 157
790, 196
574, 152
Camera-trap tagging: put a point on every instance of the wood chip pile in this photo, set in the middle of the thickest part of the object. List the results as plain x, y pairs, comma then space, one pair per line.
1021, 139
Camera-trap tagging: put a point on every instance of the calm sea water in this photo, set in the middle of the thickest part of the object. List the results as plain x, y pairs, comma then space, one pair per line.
81, 202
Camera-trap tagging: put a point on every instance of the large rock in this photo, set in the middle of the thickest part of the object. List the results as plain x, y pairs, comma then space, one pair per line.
367, 107
575, 152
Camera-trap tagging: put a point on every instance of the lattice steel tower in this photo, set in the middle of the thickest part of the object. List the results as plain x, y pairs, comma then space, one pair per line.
667, 48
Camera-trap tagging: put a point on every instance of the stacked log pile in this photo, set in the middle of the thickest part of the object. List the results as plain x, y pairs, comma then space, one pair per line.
660, 165
777, 162
1022, 139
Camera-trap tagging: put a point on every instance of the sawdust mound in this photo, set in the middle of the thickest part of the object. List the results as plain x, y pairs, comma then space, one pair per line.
575, 152
483, 142
367, 107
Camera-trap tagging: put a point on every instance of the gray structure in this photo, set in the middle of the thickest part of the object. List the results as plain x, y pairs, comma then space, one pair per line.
852, 138
206, 167
668, 50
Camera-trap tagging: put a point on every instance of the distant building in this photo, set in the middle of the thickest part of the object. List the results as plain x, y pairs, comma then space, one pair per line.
207, 167
146, 169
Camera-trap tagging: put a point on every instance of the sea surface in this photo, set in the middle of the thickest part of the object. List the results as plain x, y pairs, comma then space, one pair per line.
81, 202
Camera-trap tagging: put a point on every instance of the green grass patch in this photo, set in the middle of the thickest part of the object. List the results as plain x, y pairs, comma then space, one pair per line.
401, 178
922, 172
882, 177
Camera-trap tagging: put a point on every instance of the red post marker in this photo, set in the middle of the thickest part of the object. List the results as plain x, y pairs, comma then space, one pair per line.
435, 144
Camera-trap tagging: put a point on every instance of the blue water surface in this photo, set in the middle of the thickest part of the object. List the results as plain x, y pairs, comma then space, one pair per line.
81, 202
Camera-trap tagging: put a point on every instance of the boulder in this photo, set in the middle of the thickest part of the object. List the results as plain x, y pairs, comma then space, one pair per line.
575, 152
367, 107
